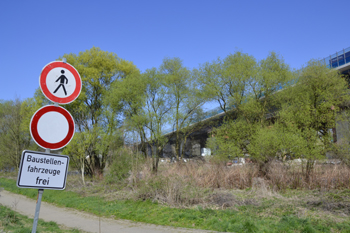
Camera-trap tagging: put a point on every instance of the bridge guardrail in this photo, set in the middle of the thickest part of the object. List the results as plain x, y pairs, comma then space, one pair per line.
337, 59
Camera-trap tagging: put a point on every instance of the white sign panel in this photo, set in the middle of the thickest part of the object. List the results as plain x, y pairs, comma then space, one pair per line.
43, 171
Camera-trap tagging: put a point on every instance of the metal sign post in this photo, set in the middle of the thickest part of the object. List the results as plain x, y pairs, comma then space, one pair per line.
37, 210
38, 204
52, 128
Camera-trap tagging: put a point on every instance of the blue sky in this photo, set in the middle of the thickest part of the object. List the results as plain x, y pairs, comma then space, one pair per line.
34, 33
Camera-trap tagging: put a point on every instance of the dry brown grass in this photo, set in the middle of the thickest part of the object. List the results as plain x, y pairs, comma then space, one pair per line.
280, 176
215, 185
284, 189
187, 183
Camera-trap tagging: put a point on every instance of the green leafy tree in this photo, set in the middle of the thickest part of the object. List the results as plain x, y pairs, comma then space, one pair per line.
14, 133
226, 81
342, 146
145, 104
77, 151
93, 117
262, 99
185, 96
129, 95
311, 106
275, 141
157, 109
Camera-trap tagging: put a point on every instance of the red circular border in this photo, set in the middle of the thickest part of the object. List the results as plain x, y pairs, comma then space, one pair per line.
45, 90
34, 127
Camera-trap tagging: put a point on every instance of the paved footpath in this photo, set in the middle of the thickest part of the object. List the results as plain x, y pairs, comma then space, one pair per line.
81, 220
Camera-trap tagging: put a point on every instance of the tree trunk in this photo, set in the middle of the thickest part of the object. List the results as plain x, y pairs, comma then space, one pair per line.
264, 168
155, 160
183, 144
98, 169
177, 146
83, 171
143, 143
309, 168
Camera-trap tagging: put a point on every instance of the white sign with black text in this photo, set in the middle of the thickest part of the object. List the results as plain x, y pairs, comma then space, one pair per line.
42, 170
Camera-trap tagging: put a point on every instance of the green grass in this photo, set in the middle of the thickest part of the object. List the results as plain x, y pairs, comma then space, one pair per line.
10, 221
248, 218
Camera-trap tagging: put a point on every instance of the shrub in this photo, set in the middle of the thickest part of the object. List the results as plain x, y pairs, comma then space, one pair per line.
122, 163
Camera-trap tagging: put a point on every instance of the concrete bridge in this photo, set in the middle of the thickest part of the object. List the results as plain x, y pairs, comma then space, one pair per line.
196, 142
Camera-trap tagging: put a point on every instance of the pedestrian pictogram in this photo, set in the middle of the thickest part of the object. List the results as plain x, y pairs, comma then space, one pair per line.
62, 79
52, 127
60, 82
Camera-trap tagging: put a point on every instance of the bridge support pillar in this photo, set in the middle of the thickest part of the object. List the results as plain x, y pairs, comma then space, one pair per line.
196, 149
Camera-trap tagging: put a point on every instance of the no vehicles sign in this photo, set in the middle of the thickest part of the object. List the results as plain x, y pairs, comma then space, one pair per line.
52, 127
42, 170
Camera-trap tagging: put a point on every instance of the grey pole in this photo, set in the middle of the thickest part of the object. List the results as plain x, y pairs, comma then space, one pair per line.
38, 204
37, 210
337, 59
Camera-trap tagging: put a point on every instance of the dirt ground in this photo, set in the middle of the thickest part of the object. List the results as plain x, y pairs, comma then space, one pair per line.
85, 222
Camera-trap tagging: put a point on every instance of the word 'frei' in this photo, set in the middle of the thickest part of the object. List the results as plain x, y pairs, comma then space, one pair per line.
44, 181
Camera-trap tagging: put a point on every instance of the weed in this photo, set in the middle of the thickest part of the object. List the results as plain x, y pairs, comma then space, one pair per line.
10, 221
213, 197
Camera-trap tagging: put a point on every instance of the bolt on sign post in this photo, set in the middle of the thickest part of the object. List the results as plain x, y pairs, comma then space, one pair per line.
52, 128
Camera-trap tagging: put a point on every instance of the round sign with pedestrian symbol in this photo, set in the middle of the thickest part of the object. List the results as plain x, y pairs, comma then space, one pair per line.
60, 82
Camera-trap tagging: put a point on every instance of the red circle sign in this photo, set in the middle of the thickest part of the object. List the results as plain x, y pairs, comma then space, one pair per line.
52, 127
60, 82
